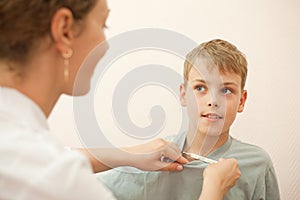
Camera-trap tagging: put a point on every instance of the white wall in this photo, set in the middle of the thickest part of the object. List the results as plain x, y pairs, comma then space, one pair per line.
268, 32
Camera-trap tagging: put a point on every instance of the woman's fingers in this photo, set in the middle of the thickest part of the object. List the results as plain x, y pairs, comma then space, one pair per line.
171, 158
157, 155
173, 152
173, 166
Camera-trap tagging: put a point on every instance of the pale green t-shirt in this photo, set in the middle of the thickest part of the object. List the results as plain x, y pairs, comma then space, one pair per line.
258, 180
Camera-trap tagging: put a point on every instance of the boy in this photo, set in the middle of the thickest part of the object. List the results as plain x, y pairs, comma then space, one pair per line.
213, 93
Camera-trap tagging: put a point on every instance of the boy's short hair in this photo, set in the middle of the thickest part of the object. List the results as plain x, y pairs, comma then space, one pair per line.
223, 54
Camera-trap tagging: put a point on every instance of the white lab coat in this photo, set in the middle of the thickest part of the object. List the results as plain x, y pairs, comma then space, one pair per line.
32, 164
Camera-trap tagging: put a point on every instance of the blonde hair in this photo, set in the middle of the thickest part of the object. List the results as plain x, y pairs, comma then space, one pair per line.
223, 54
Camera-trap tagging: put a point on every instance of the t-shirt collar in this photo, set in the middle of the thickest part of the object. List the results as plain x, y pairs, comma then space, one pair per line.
180, 140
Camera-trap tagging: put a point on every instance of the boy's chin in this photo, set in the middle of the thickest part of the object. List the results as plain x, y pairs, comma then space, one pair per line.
212, 132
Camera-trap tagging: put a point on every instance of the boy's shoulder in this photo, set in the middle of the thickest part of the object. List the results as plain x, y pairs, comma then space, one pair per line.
245, 152
237, 144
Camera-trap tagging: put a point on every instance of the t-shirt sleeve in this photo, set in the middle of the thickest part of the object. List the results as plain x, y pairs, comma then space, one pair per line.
270, 190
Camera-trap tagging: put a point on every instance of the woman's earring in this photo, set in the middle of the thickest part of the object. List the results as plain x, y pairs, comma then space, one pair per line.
67, 55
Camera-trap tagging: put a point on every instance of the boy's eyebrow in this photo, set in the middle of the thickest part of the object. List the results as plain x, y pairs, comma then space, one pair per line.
225, 83
231, 83
199, 80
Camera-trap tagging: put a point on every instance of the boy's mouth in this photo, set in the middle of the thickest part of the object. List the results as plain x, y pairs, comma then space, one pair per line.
212, 116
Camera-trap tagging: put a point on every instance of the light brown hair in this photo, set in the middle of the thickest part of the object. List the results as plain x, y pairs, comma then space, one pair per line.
225, 56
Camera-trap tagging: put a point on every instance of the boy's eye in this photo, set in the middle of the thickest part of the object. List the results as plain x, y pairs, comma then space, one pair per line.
200, 88
226, 91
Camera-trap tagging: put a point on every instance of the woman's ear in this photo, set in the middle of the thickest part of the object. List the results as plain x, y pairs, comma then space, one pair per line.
182, 95
242, 101
62, 32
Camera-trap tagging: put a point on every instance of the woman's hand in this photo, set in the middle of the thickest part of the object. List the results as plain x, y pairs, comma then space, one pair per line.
219, 178
156, 155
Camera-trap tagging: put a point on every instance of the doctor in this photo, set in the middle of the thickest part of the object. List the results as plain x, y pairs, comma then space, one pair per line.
42, 46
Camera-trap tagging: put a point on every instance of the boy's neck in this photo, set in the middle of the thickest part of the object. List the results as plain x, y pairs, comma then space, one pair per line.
203, 144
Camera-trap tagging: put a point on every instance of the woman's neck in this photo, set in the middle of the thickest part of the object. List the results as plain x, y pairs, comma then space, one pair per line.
37, 82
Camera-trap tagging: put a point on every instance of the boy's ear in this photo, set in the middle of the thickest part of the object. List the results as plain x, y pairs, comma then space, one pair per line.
242, 101
182, 95
62, 30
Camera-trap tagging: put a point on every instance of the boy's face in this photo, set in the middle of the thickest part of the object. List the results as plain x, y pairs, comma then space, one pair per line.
212, 100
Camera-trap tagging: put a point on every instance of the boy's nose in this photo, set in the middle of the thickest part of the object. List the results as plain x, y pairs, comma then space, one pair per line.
214, 104
215, 100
